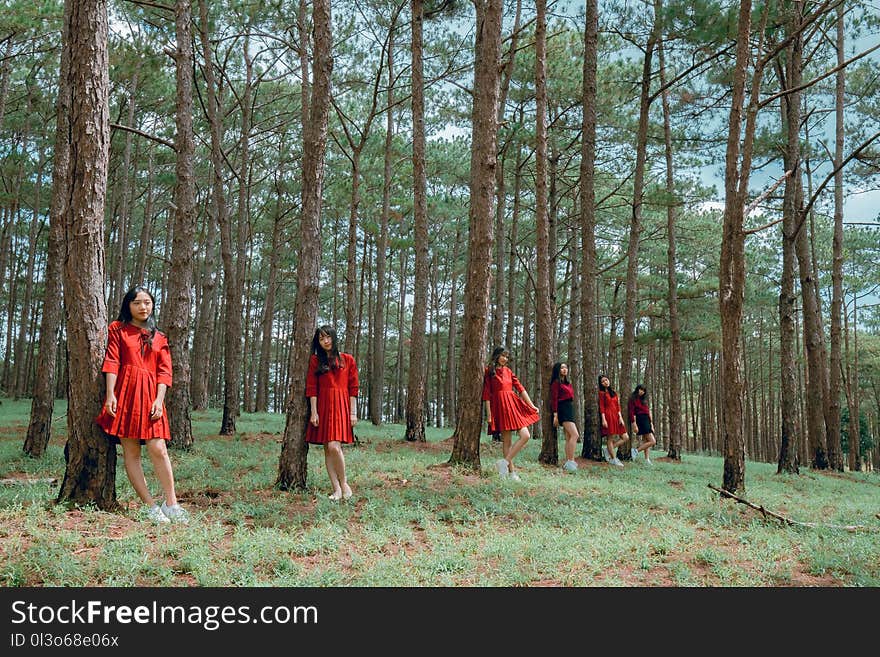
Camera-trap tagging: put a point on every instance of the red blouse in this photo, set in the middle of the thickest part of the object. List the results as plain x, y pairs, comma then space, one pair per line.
635, 407
559, 391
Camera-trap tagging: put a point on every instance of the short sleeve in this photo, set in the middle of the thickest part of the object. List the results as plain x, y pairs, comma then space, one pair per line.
163, 364
111, 357
353, 380
312, 377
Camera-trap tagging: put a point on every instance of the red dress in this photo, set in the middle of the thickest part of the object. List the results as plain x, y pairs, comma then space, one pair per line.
139, 369
509, 411
610, 408
333, 390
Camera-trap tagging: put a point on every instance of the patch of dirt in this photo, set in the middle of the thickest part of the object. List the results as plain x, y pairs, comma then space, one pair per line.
676, 484
260, 437
666, 459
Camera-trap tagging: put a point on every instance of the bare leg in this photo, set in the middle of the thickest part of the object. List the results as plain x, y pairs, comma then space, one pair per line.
158, 452
131, 454
571, 438
517, 446
334, 450
330, 462
505, 442
649, 442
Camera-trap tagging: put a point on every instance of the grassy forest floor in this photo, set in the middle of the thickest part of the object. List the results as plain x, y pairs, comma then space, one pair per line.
413, 521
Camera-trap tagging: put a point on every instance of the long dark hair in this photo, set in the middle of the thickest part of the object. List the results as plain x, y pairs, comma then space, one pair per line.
557, 375
325, 362
609, 389
493, 362
635, 393
125, 311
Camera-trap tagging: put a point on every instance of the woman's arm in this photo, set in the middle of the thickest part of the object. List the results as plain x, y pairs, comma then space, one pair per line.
159, 402
110, 397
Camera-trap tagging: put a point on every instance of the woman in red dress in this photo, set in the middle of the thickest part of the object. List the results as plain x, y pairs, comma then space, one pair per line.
508, 408
137, 366
332, 389
612, 420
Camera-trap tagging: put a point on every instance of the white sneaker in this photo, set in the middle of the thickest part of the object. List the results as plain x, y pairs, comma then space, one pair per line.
616, 461
514, 476
175, 513
155, 514
635, 453
649, 461
503, 470
605, 453
570, 466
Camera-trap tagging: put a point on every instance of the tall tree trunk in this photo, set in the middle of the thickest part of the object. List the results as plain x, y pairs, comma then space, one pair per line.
498, 299
24, 333
798, 233
417, 374
140, 271
90, 473
377, 365
466, 447
835, 456
233, 264
635, 228
177, 316
118, 277
262, 401
544, 321
589, 307
673, 444
854, 420
43, 403
294, 450
731, 285
216, 217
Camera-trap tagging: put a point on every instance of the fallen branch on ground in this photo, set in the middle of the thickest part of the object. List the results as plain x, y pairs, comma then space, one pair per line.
789, 521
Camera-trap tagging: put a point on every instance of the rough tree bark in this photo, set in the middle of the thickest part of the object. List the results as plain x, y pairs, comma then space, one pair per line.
544, 320
731, 284
487, 55
90, 475
589, 337
635, 229
415, 395
179, 302
835, 455
673, 445
294, 450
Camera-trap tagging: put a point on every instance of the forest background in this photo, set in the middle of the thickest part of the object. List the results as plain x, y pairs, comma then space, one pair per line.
265, 169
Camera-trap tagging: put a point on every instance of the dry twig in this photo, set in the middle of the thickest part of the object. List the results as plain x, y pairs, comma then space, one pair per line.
789, 521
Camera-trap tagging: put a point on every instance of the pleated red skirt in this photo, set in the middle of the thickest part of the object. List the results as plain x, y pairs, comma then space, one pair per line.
334, 417
135, 392
510, 412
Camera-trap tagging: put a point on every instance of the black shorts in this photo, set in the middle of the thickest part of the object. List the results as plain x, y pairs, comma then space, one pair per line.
566, 411
643, 422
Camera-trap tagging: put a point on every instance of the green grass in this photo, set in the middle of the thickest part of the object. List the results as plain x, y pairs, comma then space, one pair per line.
415, 522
